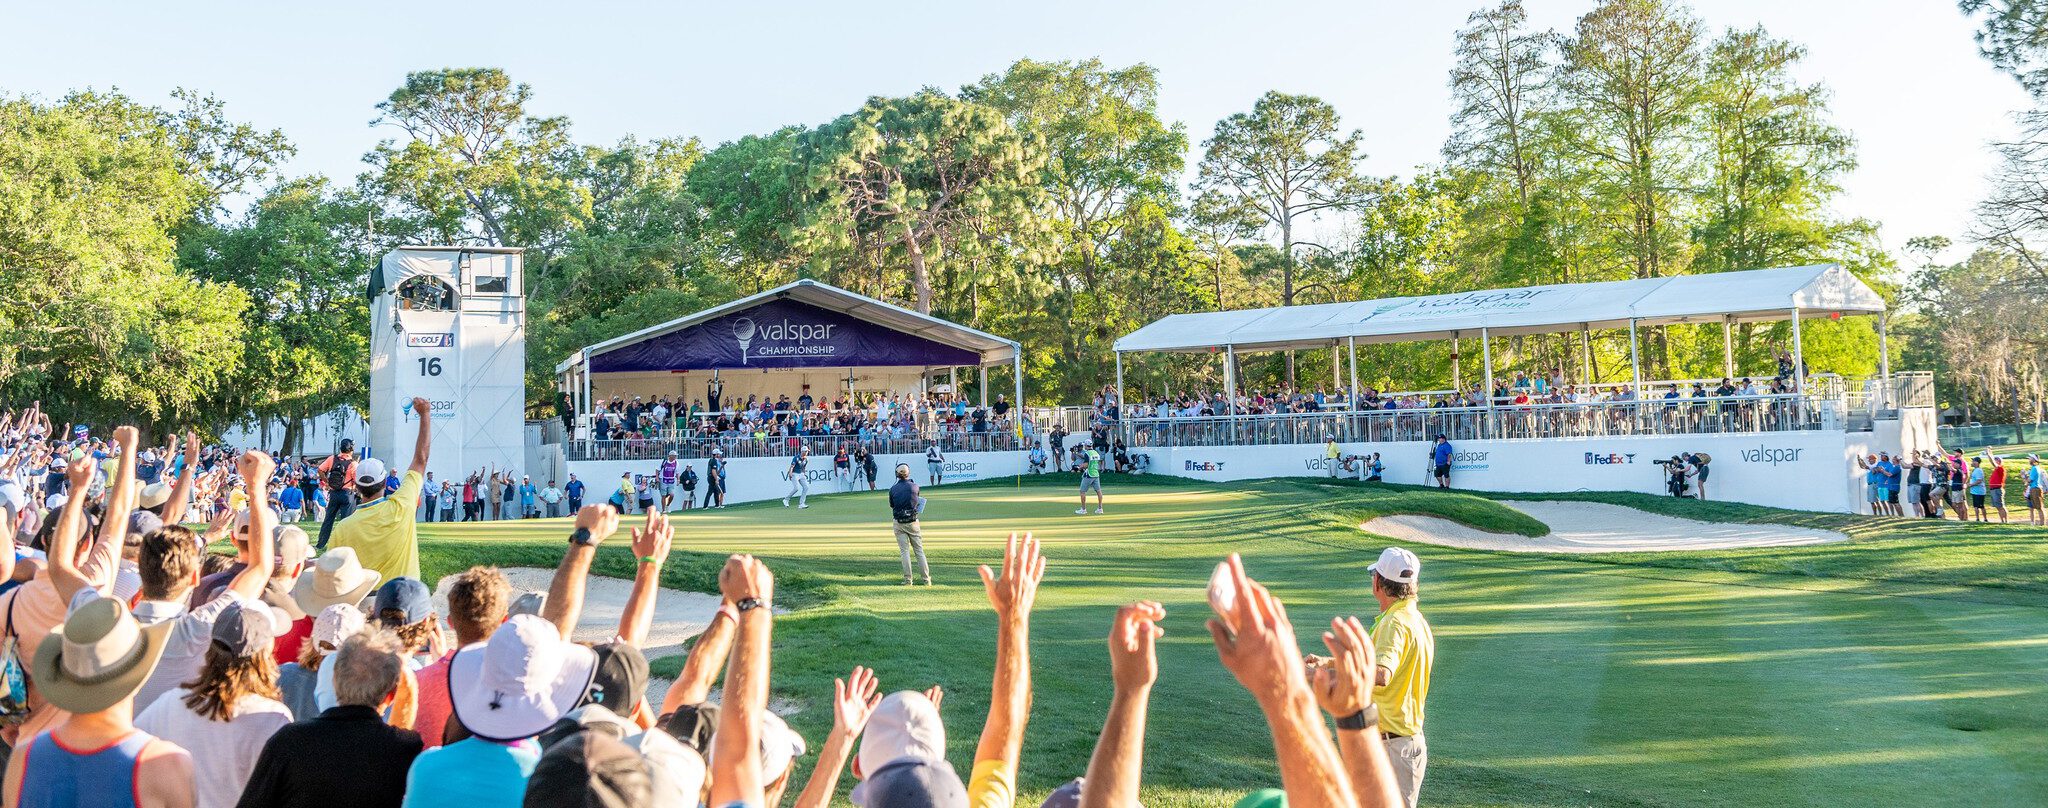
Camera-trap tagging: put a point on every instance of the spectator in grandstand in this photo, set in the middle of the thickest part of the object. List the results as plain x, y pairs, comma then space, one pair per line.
381, 530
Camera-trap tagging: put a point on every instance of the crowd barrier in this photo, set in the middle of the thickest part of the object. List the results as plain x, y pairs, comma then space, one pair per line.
1686, 416
691, 447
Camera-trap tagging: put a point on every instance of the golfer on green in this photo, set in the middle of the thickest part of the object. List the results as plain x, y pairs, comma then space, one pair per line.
1091, 479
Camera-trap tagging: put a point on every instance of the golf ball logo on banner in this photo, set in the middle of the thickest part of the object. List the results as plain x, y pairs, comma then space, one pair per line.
427, 367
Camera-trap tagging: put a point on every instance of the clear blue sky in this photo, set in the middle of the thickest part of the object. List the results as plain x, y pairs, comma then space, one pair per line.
1905, 74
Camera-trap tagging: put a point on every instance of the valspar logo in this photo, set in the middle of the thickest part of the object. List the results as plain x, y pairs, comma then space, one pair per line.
440, 408
429, 340
1201, 465
1609, 459
1469, 461
785, 338
1318, 463
1766, 454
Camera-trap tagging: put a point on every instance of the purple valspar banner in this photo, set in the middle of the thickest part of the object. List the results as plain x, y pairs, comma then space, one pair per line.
781, 334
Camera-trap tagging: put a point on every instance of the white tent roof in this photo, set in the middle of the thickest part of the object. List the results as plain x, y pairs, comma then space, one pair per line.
993, 349
1756, 295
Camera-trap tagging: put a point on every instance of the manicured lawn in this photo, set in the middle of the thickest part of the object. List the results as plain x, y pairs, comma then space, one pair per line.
1836, 675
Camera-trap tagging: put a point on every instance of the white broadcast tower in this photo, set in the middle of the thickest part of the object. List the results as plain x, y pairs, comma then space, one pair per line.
448, 324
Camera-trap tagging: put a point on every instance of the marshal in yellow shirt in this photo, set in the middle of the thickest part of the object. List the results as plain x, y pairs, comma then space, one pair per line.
1403, 644
383, 533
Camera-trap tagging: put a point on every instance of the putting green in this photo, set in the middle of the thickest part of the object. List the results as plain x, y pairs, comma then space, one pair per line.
1586, 681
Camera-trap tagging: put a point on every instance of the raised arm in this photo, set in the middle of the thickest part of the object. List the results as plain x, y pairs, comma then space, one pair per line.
1009, 707
1263, 655
257, 548
565, 592
853, 702
181, 492
736, 751
1113, 772
63, 551
707, 658
118, 500
651, 544
425, 439
1344, 689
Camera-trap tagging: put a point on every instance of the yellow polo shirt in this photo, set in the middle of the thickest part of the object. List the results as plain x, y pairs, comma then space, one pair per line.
991, 786
1403, 644
383, 533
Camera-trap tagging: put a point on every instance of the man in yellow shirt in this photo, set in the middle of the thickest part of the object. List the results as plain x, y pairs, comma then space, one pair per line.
1404, 650
382, 530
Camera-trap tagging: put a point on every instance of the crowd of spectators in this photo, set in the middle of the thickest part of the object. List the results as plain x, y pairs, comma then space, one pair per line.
293, 679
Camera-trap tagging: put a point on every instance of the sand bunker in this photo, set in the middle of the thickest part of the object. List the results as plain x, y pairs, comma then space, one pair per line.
1593, 527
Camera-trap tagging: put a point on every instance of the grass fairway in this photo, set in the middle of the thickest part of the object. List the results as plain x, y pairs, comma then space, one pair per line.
1740, 678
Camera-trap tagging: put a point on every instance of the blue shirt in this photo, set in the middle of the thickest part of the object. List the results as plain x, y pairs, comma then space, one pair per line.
1443, 454
471, 773
574, 489
291, 498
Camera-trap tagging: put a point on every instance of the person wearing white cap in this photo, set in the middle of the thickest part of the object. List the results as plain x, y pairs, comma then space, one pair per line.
298, 681
225, 714
504, 690
382, 530
1404, 651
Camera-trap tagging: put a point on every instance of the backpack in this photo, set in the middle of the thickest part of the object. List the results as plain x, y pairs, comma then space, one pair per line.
337, 473
13, 676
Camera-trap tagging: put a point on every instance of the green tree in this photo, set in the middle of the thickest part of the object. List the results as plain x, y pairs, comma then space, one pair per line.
1283, 162
99, 321
2014, 37
921, 175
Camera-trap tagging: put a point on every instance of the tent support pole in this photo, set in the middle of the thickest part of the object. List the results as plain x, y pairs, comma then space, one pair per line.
1635, 360
984, 387
1352, 400
1230, 379
1728, 346
1884, 363
1119, 384
1486, 364
1798, 356
953, 381
1017, 387
1336, 367
584, 370
1586, 353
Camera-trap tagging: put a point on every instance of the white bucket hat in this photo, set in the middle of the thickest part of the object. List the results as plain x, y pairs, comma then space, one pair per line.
520, 681
336, 578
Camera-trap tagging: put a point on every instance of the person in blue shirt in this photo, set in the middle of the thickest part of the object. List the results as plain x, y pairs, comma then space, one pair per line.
1892, 478
291, 502
799, 483
575, 492
528, 495
1440, 458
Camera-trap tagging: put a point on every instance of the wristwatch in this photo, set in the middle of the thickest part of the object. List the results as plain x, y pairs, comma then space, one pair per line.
583, 537
748, 604
1361, 720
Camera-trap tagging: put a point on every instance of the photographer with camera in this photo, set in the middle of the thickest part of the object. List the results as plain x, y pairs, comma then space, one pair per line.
1683, 471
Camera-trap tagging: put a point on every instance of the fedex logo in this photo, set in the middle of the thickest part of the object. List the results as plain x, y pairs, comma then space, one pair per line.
1609, 459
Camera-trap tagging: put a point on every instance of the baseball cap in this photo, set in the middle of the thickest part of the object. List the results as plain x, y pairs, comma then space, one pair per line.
780, 747
904, 725
11, 496
369, 471
601, 771
1066, 796
520, 681
1397, 565
336, 623
620, 680
912, 783
154, 494
407, 595
245, 629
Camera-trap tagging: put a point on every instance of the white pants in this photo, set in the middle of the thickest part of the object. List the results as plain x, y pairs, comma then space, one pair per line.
1409, 756
799, 487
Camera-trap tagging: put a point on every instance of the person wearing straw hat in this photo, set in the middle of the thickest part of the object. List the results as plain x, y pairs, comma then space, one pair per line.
91, 665
226, 714
336, 578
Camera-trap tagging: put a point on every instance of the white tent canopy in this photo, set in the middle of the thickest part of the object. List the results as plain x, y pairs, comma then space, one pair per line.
1758, 295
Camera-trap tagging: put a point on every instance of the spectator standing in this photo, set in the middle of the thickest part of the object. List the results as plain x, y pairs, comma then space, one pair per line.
529, 498
447, 501
477, 603
905, 507
338, 471
799, 481
1994, 485
1404, 653
382, 531
225, 716
574, 491
714, 479
551, 496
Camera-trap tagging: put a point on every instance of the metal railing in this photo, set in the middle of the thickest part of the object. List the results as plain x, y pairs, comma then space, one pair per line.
694, 447
1677, 416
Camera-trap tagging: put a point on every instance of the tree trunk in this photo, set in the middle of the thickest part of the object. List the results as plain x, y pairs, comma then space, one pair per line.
920, 276
293, 426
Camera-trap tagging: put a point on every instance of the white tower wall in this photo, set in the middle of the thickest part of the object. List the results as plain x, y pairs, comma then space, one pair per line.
468, 360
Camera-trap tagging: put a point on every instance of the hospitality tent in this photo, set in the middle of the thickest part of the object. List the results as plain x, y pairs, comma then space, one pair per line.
804, 327
1759, 295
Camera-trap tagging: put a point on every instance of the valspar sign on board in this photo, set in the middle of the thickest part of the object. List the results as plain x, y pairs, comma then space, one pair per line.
1470, 303
780, 333
1771, 455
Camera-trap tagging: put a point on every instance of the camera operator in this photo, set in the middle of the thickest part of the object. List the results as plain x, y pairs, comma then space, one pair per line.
1674, 474
1697, 462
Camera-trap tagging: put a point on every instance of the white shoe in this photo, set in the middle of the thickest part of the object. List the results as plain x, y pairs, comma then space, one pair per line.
801, 507
1098, 510
1081, 510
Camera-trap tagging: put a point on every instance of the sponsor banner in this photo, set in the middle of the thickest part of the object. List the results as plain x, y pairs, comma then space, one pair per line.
1803, 470
443, 340
780, 334
1471, 303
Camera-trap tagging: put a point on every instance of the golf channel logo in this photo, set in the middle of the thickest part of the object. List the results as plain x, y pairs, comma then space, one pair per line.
785, 338
1770, 456
442, 340
1201, 465
1609, 459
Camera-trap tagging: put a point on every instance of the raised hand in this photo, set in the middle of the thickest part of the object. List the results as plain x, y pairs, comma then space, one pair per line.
255, 468
1013, 592
79, 472
599, 519
937, 695
126, 437
1262, 652
1133, 661
421, 408
653, 539
1343, 686
853, 701
745, 577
